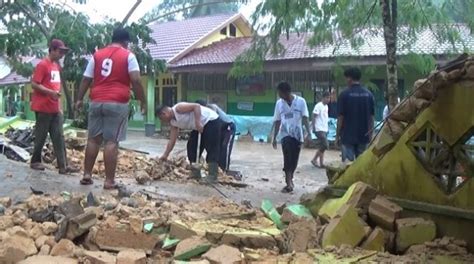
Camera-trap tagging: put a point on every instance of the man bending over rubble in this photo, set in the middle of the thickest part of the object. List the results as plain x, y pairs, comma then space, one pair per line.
203, 122
291, 112
112, 69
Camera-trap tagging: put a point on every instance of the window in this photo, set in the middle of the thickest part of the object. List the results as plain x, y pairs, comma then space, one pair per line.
224, 31
232, 30
451, 166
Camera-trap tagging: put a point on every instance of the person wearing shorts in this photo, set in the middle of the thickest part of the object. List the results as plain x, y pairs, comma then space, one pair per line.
112, 70
321, 128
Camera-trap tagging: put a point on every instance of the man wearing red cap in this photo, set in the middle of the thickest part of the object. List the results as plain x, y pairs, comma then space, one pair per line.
111, 71
46, 83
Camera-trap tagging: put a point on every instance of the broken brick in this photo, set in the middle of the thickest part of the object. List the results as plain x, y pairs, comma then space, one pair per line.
301, 235
384, 213
16, 248
40, 241
36, 231
375, 241
412, 231
122, 237
191, 247
64, 248
49, 227
224, 254
6, 221
345, 228
131, 257
6, 201
48, 260
248, 238
44, 250
180, 230
98, 257
17, 230
19, 217
136, 223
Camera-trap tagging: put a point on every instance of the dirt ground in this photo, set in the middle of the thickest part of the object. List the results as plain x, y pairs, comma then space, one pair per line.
259, 163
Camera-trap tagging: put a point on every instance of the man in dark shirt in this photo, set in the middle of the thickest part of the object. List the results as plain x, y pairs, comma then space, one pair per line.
356, 116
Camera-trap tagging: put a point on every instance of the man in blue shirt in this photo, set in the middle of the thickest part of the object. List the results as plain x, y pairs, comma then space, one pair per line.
355, 122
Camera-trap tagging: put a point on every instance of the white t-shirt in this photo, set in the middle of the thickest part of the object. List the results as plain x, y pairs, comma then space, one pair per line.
291, 117
322, 119
186, 120
132, 65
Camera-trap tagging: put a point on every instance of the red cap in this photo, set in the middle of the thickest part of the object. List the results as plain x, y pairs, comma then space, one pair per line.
57, 44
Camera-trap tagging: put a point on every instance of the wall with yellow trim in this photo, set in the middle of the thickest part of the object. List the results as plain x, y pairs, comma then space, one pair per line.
217, 36
398, 173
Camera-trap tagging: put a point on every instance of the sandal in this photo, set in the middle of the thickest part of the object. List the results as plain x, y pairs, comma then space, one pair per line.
315, 164
86, 181
114, 186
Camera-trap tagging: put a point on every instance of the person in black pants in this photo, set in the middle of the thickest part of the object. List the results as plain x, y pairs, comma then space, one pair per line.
199, 119
227, 135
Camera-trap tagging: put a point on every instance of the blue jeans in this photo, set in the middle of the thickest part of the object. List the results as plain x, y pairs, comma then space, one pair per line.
352, 151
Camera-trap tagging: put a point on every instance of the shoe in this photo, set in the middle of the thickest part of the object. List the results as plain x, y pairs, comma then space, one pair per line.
37, 166
69, 169
213, 171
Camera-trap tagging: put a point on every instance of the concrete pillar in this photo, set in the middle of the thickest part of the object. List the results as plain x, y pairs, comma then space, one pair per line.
150, 113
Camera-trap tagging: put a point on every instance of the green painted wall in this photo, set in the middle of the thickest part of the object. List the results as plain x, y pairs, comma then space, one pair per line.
263, 105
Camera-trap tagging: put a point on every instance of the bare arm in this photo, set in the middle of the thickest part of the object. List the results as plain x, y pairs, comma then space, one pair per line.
306, 124
340, 123
42, 89
276, 128
314, 121
137, 86
83, 87
171, 142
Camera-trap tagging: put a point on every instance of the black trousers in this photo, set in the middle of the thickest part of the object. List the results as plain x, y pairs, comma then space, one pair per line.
291, 153
210, 141
228, 135
52, 124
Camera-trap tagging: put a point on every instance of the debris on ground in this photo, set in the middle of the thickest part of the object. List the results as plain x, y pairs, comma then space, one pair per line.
54, 229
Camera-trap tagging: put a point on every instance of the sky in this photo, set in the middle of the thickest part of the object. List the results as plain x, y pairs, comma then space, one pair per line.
98, 10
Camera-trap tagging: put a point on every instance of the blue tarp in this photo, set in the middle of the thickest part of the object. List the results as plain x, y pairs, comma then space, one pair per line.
260, 127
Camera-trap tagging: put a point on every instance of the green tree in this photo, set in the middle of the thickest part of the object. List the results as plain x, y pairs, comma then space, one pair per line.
354, 20
30, 24
169, 10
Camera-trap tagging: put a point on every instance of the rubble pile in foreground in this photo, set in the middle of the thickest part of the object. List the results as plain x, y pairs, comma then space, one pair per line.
360, 226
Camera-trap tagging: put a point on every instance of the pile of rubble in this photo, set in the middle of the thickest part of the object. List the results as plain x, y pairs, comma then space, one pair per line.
139, 228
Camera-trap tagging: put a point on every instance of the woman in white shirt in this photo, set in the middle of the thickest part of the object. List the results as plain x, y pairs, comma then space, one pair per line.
199, 119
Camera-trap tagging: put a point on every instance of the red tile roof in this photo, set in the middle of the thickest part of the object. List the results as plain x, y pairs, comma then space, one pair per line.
175, 36
296, 47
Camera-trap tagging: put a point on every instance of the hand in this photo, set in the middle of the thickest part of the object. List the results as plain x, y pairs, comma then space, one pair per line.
164, 157
199, 127
79, 105
274, 144
55, 95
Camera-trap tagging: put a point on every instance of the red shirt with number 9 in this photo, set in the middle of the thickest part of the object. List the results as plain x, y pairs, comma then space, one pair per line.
46, 73
111, 77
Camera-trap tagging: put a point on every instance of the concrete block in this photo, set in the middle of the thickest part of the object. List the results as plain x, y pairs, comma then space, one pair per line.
359, 195
301, 235
345, 228
49, 227
48, 260
375, 241
64, 248
181, 231
383, 213
80, 224
191, 247
294, 212
131, 257
6, 201
224, 254
122, 237
412, 231
240, 237
136, 223
6, 221
44, 250
99, 257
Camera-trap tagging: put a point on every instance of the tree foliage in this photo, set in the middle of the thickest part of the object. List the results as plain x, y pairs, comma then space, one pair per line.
334, 22
31, 24
170, 10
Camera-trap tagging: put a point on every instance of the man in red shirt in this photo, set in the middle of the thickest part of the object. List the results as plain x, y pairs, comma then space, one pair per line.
46, 83
112, 70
